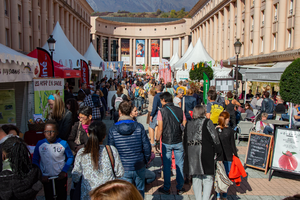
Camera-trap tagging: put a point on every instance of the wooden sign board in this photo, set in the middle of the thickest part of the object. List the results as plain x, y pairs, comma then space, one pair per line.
258, 151
286, 156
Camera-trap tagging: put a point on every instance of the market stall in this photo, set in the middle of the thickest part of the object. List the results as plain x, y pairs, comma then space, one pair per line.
16, 91
94, 61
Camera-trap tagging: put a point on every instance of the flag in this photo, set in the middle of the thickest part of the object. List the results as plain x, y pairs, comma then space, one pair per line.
84, 72
185, 65
221, 63
45, 63
193, 66
103, 66
198, 65
202, 64
107, 65
144, 67
210, 63
205, 87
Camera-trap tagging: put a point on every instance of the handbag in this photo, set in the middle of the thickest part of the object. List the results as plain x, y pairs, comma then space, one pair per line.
181, 125
222, 182
111, 158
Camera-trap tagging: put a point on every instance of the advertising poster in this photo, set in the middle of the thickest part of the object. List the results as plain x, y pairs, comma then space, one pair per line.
42, 89
140, 52
46, 64
84, 72
125, 49
7, 107
155, 51
287, 150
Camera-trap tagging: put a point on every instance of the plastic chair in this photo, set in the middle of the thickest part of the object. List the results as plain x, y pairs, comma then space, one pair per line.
244, 129
243, 116
255, 111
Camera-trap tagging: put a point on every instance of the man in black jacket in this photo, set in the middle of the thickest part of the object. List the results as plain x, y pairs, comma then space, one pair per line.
171, 119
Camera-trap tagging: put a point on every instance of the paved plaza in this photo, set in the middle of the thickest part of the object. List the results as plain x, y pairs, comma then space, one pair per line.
255, 186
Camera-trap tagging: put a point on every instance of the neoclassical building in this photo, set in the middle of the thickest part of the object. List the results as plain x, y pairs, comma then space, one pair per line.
26, 25
138, 41
268, 29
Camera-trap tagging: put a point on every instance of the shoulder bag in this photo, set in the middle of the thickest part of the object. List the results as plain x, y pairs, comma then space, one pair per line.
111, 158
181, 125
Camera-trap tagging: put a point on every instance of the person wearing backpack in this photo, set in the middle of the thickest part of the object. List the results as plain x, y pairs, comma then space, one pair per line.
118, 98
214, 109
137, 92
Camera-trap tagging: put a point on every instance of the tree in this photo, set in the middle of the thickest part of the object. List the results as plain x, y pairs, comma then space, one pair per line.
197, 73
289, 83
158, 12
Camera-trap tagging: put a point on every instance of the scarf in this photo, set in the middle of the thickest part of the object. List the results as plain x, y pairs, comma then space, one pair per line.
125, 118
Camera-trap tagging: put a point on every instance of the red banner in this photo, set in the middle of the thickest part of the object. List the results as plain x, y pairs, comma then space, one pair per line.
84, 72
45, 62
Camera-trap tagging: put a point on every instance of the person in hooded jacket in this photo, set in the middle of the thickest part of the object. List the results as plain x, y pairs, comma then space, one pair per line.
131, 141
19, 180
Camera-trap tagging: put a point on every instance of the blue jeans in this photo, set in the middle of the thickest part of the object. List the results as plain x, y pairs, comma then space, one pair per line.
150, 176
138, 102
268, 130
270, 116
227, 165
167, 160
153, 124
137, 178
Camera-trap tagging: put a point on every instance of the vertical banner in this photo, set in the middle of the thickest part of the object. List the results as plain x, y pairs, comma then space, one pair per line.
45, 63
140, 52
42, 89
7, 107
205, 87
125, 51
155, 52
84, 72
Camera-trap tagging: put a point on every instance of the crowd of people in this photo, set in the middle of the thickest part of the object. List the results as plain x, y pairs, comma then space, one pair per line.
188, 135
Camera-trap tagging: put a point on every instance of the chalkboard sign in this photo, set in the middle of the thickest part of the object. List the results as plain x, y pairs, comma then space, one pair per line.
258, 151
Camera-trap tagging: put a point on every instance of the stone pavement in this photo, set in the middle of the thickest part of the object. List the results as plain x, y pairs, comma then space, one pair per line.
254, 187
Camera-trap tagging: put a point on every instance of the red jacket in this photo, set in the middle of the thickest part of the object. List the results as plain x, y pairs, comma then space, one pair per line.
236, 171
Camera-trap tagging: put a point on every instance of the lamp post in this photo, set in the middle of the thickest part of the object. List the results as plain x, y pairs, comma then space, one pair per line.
51, 44
237, 48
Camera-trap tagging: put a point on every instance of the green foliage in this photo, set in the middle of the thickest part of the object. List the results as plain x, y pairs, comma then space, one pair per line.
289, 83
158, 12
197, 73
164, 15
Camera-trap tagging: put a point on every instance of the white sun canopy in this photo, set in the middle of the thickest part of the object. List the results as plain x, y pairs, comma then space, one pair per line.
188, 51
64, 53
174, 59
92, 55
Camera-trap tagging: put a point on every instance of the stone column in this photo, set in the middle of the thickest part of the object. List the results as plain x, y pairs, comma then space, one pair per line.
180, 47
232, 39
171, 47
72, 29
257, 25
67, 28
109, 49
56, 13
50, 20
268, 27
220, 34
130, 52
101, 47
282, 17
44, 36
239, 19
14, 25
35, 24
247, 29
216, 32
146, 51
26, 26
149, 54
207, 41
161, 49
211, 39
75, 33
296, 44
119, 49
2, 28
62, 18
225, 37
81, 39
133, 51
204, 35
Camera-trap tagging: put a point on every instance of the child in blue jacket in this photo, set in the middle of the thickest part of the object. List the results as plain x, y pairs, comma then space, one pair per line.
54, 157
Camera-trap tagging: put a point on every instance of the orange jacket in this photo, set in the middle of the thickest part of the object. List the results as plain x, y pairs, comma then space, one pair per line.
236, 171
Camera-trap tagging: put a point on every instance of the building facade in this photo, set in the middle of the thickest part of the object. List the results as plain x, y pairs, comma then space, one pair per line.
118, 39
267, 29
26, 25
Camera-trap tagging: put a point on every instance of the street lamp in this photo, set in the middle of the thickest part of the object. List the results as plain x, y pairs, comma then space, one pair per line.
51, 44
237, 48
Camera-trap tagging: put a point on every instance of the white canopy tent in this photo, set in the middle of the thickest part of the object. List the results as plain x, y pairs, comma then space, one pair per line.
174, 59
64, 53
92, 55
188, 51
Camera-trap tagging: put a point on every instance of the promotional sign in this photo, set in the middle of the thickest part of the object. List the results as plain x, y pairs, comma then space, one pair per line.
258, 151
205, 87
165, 71
42, 89
286, 156
7, 107
45, 62
16, 73
140, 52
84, 72
155, 52
125, 51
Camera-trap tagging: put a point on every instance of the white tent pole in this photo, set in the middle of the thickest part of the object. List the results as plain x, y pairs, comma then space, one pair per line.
245, 91
291, 115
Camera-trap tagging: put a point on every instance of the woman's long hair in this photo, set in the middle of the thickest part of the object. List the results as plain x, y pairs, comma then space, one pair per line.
18, 155
222, 118
97, 132
58, 110
73, 108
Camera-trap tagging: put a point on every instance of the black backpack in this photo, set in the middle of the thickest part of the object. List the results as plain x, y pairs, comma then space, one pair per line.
96, 100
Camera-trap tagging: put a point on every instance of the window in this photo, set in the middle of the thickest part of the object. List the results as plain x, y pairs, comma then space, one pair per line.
6, 37
290, 38
140, 29
105, 26
274, 41
125, 29
262, 44
115, 27
165, 28
262, 17
29, 18
155, 29
6, 7
20, 41
19, 13
174, 27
